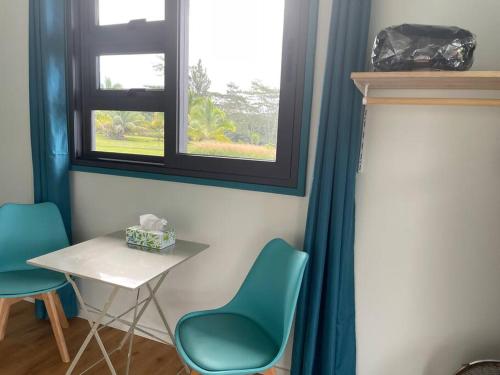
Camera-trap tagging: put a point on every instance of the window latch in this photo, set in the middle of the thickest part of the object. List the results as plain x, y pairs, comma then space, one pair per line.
133, 92
139, 21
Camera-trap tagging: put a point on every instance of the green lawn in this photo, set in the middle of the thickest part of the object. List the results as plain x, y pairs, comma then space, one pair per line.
151, 146
130, 145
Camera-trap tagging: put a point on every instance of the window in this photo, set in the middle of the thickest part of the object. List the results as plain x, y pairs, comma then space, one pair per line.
200, 88
234, 78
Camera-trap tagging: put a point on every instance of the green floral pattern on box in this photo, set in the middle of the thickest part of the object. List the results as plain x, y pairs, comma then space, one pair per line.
150, 239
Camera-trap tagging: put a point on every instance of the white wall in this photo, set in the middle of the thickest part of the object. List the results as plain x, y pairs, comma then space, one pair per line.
16, 179
428, 213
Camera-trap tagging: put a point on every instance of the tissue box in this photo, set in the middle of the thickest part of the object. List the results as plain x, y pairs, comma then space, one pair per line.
150, 239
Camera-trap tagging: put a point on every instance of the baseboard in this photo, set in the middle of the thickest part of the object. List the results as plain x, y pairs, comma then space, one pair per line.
124, 327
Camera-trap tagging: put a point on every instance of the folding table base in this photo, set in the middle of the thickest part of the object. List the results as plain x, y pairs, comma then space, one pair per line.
96, 325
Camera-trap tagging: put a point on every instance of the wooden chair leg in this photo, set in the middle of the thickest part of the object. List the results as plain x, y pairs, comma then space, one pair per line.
50, 305
5, 304
60, 311
271, 371
4, 316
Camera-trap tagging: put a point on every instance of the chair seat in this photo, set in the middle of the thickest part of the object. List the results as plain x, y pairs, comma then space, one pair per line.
225, 342
29, 282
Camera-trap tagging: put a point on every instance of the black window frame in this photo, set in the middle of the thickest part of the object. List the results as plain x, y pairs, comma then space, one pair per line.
88, 40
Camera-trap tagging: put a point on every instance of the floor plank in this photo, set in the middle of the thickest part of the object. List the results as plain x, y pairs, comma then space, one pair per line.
30, 348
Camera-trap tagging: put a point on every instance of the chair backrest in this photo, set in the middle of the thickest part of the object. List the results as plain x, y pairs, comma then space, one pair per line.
28, 231
270, 291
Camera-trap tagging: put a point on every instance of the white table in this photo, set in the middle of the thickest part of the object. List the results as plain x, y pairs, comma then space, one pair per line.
108, 259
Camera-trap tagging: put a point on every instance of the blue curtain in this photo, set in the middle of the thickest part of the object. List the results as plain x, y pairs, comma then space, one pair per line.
49, 117
325, 337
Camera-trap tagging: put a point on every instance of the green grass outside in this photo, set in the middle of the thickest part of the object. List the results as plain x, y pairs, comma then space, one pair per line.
138, 145
130, 145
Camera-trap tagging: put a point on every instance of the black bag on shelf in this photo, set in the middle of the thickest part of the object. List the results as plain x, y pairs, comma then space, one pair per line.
414, 47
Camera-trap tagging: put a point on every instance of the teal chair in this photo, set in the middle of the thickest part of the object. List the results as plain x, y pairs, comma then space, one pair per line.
28, 231
249, 334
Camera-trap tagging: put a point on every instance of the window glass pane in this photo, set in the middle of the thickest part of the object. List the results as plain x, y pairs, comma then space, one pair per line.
113, 12
128, 132
232, 101
123, 72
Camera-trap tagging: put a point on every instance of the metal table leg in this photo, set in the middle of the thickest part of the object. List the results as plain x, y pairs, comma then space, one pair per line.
129, 355
165, 322
94, 325
97, 325
143, 309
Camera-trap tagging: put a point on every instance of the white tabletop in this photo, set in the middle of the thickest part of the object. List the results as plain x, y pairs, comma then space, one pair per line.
108, 259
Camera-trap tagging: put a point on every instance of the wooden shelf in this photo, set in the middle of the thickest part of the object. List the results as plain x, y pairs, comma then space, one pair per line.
436, 80
471, 80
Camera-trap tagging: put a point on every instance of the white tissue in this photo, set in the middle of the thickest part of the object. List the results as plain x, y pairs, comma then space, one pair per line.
152, 222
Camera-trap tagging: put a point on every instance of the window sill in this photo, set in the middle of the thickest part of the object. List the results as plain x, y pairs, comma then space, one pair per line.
298, 191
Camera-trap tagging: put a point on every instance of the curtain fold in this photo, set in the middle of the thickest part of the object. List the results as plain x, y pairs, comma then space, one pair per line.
325, 337
49, 117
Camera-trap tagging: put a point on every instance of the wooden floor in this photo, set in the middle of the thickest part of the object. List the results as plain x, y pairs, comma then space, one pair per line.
29, 348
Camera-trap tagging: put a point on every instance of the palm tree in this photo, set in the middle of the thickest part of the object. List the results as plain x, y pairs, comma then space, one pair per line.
116, 124
208, 122
109, 85
156, 125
